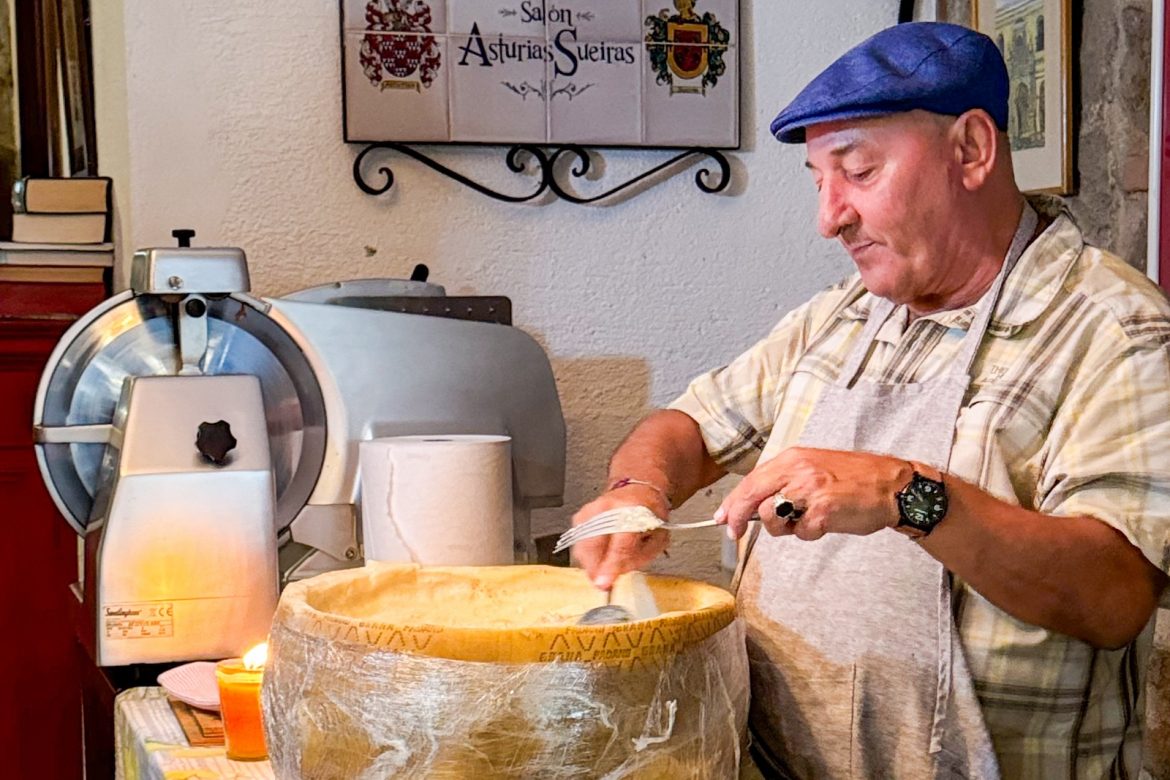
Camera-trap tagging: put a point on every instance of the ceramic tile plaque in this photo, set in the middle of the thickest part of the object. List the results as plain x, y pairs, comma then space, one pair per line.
654, 73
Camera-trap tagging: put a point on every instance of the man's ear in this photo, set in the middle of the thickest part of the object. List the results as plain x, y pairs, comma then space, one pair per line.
976, 142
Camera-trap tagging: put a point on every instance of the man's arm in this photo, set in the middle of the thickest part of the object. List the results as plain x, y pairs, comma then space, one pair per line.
1075, 575
665, 450
1072, 574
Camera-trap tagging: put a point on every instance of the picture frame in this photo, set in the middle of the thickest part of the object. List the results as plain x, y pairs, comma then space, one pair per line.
77, 87
1035, 38
647, 74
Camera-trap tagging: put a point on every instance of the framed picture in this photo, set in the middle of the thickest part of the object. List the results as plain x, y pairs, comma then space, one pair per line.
77, 87
618, 73
1035, 37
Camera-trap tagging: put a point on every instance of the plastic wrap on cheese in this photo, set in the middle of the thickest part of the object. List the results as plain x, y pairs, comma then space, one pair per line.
397, 671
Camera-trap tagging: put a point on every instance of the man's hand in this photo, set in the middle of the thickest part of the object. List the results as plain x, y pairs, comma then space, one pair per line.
665, 449
606, 557
840, 492
1072, 574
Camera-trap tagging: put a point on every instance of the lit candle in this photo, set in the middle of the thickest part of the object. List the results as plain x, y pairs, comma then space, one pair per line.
239, 704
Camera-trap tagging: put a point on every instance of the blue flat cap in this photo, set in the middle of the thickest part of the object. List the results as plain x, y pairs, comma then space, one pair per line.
937, 67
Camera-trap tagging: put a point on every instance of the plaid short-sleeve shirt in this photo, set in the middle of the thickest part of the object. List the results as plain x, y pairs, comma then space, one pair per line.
1068, 413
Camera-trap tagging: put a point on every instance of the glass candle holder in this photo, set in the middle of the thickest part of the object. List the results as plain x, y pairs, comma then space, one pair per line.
239, 703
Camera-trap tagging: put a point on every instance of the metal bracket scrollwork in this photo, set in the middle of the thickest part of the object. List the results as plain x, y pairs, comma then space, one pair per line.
520, 157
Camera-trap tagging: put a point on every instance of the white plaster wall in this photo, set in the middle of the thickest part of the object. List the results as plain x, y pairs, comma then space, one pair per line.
225, 116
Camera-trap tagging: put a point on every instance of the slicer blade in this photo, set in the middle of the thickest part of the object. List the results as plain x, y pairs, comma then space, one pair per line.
135, 336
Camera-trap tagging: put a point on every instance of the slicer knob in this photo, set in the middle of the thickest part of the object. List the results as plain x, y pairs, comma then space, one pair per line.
214, 441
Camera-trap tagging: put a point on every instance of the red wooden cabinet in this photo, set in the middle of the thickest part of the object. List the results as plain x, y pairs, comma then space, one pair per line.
40, 712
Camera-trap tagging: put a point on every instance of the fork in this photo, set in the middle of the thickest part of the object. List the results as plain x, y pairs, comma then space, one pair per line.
625, 519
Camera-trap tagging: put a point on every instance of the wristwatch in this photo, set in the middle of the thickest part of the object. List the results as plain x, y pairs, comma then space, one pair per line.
922, 505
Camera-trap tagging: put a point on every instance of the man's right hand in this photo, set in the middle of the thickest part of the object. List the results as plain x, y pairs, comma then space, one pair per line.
605, 557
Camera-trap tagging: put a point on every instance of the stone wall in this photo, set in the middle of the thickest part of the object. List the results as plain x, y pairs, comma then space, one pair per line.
1113, 138
1113, 135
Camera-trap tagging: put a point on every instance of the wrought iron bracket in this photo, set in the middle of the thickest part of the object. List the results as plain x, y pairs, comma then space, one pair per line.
544, 163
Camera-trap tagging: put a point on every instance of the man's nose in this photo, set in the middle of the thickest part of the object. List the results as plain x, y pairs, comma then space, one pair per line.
835, 213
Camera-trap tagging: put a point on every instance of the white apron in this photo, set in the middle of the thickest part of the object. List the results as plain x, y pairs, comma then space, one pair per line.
856, 666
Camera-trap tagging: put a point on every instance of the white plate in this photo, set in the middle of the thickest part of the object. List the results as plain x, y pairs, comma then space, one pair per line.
193, 683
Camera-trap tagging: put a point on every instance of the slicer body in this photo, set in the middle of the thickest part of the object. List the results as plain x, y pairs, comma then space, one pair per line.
181, 550
310, 375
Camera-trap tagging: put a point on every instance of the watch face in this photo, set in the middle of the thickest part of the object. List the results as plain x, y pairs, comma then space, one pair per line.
923, 503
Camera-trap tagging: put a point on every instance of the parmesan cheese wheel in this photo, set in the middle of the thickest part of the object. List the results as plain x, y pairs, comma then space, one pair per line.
497, 614
396, 670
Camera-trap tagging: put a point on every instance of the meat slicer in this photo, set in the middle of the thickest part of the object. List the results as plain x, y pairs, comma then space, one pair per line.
204, 442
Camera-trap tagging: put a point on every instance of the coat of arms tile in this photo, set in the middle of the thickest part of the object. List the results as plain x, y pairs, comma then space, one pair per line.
611, 72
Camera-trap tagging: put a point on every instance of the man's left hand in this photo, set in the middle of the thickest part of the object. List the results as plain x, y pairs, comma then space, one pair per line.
839, 492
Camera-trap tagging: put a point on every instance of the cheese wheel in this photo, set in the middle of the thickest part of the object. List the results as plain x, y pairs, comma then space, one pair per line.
481, 672
497, 614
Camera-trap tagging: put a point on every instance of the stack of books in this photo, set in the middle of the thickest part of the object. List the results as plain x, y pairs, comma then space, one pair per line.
60, 241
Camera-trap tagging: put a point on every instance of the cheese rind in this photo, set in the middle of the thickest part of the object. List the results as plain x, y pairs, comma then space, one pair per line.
498, 614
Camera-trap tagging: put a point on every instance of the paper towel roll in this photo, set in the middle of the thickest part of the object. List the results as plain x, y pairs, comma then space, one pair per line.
437, 500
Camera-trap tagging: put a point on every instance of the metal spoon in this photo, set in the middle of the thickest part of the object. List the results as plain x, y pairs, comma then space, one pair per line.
607, 613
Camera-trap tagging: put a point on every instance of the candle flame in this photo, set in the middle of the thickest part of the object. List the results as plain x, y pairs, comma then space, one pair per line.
255, 658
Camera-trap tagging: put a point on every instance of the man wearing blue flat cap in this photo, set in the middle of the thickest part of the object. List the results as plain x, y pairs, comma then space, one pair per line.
961, 454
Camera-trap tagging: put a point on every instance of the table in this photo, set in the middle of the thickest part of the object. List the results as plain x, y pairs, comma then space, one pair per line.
150, 745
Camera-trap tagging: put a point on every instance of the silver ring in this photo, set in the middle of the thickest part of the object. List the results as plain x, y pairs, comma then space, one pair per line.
785, 507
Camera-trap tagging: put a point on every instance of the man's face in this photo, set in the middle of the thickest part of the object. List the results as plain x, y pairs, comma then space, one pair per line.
888, 192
